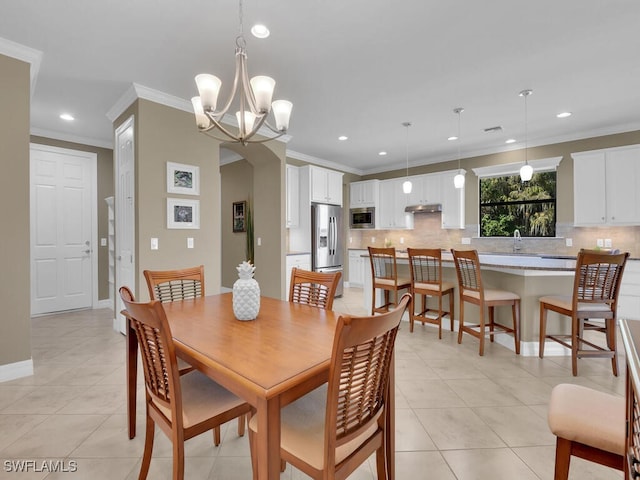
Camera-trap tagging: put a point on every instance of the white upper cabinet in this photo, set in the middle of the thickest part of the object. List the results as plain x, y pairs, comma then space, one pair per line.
605, 186
426, 190
363, 194
391, 206
326, 186
452, 201
293, 196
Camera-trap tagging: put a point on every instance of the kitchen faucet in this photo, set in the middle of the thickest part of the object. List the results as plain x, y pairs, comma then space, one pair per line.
517, 239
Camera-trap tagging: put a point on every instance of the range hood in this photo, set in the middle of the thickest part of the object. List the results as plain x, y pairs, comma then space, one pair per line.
432, 208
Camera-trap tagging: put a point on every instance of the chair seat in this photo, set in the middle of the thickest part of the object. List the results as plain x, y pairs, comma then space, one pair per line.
302, 430
434, 287
565, 302
389, 282
491, 295
588, 416
202, 398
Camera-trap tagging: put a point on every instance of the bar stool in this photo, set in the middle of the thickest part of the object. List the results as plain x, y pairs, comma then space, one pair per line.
384, 275
425, 265
472, 291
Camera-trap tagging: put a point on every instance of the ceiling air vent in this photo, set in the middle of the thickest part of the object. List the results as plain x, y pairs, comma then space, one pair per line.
493, 129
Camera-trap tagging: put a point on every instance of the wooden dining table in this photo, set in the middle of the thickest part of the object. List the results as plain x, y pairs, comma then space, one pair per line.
269, 362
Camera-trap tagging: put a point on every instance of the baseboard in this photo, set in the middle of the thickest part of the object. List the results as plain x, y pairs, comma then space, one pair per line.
105, 304
11, 371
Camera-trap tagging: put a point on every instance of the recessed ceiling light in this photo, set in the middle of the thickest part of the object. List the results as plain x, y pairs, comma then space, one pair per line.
452, 137
66, 116
382, 154
342, 138
510, 140
260, 31
563, 115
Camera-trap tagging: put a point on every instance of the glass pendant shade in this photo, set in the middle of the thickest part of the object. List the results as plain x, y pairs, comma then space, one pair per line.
407, 186
262, 88
458, 180
526, 172
249, 119
282, 113
208, 88
202, 121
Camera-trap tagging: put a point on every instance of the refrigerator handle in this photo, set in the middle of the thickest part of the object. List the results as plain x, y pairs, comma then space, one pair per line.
332, 244
335, 235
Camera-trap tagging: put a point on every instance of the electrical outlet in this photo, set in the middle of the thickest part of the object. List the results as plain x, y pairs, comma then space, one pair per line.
465, 241
600, 242
401, 240
103, 242
607, 243
259, 241
568, 242
373, 239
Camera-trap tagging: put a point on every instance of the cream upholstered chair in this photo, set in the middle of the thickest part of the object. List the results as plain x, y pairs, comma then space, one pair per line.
425, 265
313, 288
384, 276
329, 432
595, 296
588, 424
183, 406
471, 290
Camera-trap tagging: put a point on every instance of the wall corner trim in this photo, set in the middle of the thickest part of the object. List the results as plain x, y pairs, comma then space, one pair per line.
11, 371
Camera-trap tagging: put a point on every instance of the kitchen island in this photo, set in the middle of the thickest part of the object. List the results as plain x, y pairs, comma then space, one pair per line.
530, 276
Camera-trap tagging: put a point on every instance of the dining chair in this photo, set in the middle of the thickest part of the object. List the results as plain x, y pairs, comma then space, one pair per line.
330, 431
384, 276
170, 285
595, 297
588, 424
183, 406
425, 265
313, 288
471, 290
181, 284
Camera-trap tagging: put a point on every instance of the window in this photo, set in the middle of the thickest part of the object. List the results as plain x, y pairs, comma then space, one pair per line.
507, 204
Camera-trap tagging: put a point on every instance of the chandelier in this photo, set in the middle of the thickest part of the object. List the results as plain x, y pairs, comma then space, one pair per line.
526, 171
254, 101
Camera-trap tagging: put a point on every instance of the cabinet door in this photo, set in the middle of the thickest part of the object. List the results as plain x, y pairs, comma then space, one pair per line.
386, 207
623, 195
356, 265
318, 185
392, 203
356, 194
293, 196
452, 202
431, 189
589, 189
334, 187
416, 197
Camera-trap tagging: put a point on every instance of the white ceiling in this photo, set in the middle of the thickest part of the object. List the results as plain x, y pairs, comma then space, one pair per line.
358, 68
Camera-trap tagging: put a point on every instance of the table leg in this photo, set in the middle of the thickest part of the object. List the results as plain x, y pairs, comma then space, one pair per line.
390, 441
268, 441
132, 376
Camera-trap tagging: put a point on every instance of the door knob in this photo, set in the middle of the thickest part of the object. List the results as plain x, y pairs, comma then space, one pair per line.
87, 252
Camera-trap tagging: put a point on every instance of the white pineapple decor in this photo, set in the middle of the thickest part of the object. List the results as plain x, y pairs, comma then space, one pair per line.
246, 293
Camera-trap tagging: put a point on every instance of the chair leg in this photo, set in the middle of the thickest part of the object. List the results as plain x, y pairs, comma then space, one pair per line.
481, 326
440, 317
381, 464
515, 311
148, 448
461, 322
412, 313
451, 310
178, 456
575, 327
543, 330
611, 343
563, 459
242, 420
491, 324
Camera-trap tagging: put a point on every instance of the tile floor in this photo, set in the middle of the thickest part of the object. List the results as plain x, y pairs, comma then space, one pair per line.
459, 416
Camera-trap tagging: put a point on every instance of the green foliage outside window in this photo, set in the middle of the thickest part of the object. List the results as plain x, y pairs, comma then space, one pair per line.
507, 204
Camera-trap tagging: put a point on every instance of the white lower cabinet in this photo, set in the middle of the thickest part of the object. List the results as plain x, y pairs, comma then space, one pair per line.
357, 264
629, 296
302, 261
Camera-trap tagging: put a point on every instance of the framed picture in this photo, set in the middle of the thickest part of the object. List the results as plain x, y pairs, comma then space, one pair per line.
182, 213
183, 179
239, 209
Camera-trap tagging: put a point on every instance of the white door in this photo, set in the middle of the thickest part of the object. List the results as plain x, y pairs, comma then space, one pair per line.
62, 215
125, 215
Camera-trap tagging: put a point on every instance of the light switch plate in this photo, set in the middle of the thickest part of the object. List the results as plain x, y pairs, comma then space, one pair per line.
103, 242
190, 242
568, 242
600, 242
154, 243
607, 243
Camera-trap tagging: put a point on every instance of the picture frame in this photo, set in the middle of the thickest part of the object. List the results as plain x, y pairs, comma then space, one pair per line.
239, 216
183, 179
183, 213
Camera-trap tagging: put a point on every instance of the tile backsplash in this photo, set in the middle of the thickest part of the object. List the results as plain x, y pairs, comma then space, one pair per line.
428, 233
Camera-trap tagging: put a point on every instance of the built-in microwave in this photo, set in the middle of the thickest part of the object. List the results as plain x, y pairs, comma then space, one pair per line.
364, 217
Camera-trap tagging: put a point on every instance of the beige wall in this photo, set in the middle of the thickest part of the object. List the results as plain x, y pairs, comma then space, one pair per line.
164, 134
105, 189
15, 325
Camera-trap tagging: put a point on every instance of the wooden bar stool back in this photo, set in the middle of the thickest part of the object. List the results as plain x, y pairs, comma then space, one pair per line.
595, 296
471, 290
384, 276
425, 265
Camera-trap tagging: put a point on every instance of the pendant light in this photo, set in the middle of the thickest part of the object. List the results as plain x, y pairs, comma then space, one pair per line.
407, 185
526, 171
458, 180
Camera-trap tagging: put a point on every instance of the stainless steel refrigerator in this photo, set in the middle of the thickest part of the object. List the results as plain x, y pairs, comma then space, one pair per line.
326, 240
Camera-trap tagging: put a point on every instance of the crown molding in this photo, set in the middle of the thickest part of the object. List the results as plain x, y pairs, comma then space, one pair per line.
94, 142
539, 165
323, 163
25, 54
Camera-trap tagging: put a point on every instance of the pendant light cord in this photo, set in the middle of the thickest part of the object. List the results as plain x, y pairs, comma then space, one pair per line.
407, 124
